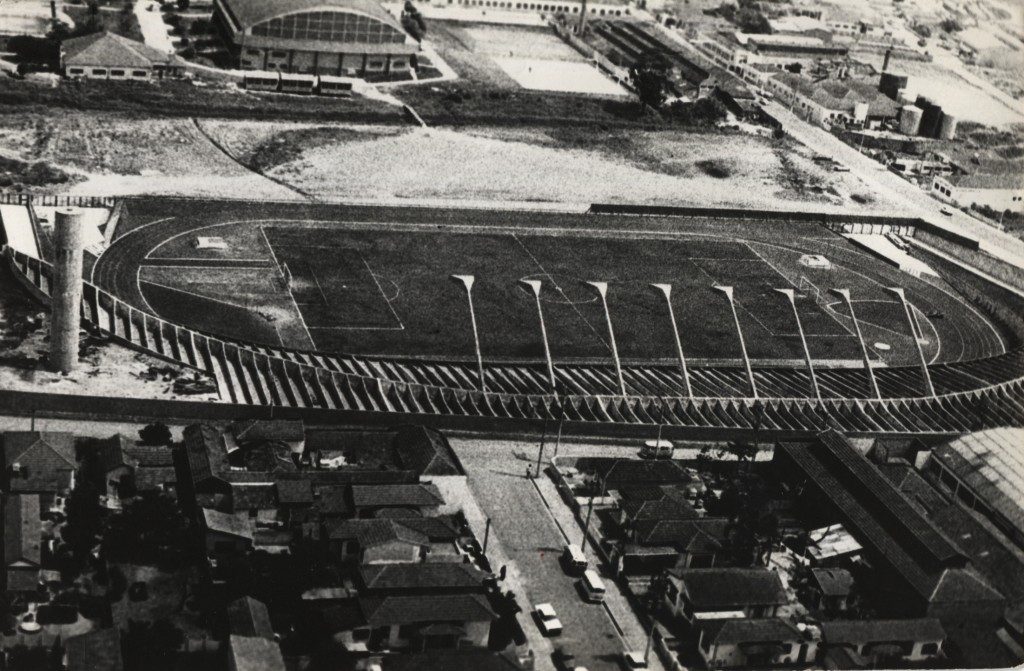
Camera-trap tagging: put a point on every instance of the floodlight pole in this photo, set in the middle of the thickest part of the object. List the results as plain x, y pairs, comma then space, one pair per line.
467, 282
602, 291
789, 294
666, 291
535, 286
845, 295
929, 388
728, 291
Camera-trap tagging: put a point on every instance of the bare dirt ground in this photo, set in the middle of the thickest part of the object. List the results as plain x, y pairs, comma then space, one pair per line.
554, 165
121, 155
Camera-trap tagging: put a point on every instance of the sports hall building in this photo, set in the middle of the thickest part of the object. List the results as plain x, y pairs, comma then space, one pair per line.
326, 37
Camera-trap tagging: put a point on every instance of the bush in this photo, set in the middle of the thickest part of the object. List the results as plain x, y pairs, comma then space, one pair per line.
155, 434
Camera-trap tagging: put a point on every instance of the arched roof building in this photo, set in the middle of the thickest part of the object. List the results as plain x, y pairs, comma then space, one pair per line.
330, 37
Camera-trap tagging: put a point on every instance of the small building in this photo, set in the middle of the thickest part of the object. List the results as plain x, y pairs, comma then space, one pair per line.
252, 653
425, 451
249, 617
715, 593
327, 37
97, 650
251, 432
1000, 191
422, 579
117, 466
39, 463
754, 643
22, 543
227, 533
110, 56
831, 588
660, 545
380, 541
413, 622
871, 643
423, 499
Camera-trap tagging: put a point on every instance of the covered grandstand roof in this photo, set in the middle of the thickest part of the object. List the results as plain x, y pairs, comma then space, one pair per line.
991, 463
250, 12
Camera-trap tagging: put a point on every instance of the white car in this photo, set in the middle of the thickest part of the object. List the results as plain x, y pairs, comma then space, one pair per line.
634, 660
547, 620
946, 211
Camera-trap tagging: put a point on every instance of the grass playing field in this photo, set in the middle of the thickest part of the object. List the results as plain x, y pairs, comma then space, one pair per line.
376, 281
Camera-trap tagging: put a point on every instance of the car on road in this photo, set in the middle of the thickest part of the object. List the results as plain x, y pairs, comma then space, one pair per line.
547, 619
573, 560
634, 659
839, 167
566, 661
946, 211
592, 587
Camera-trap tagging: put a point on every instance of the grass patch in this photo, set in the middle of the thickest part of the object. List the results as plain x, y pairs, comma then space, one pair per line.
16, 174
289, 145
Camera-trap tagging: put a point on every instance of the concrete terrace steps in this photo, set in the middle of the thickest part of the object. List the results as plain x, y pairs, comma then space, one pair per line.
983, 392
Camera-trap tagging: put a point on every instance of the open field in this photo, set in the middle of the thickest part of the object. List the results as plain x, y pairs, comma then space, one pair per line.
375, 281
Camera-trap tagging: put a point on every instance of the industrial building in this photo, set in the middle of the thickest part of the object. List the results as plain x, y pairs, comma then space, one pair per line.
109, 56
333, 37
1000, 191
835, 101
986, 470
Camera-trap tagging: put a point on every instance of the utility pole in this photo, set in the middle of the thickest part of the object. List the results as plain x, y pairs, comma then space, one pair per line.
487, 534
582, 28
467, 282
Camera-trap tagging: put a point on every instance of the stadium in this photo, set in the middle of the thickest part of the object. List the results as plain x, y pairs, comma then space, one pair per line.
345, 307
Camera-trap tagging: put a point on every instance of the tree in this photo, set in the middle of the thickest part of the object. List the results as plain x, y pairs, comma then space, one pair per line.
951, 25
150, 530
183, 5
84, 522
649, 77
155, 434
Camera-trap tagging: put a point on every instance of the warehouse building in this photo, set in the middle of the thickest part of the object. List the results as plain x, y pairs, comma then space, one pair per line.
986, 470
326, 37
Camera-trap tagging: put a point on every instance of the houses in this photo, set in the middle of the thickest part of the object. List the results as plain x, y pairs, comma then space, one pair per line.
715, 593
375, 541
425, 451
250, 653
419, 499
109, 56
226, 533
249, 617
875, 643
256, 432
754, 643
422, 579
918, 570
39, 463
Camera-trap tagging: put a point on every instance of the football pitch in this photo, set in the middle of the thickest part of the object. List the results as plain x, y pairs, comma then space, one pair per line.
377, 282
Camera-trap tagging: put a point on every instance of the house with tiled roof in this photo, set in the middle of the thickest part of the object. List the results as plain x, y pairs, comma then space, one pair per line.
754, 643
249, 433
709, 593
411, 622
420, 578
658, 545
252, 653
422, 499
39, 462
117, 465
109, 56
831, 588
375, 541
226, 533
22, 543
249, 617
425, 451
873, 642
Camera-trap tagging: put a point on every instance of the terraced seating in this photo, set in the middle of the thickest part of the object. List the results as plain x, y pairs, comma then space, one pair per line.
970, 395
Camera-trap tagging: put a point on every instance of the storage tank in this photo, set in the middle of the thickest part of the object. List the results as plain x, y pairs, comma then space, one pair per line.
860, 112
910, 119
931, 117
947, 130
891, 84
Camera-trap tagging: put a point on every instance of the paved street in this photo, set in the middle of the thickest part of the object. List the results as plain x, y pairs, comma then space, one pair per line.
529, 534
918, 202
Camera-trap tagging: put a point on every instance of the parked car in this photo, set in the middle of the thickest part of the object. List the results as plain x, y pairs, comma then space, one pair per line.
547, 619
573, 560
946, 211
839, 167
634, 659
657, 449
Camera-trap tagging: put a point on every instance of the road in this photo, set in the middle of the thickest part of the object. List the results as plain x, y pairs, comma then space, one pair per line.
532, 539
151, 23
917, 202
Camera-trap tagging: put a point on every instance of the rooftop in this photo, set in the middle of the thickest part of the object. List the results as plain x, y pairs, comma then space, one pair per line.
872, 631
410, 495
22, 530
370, 533
249, 617
425, 451
113, 50
421, 576
1011, 179
251, 12
237, 524
733, 631
255, 654
420, 609
833, 581
98, 650
723, 588
268, 430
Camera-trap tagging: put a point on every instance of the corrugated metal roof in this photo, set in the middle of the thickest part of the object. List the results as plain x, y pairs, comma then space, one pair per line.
991, 463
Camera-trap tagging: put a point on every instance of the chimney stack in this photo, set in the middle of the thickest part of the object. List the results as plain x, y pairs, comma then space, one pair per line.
885, 61
66, 296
